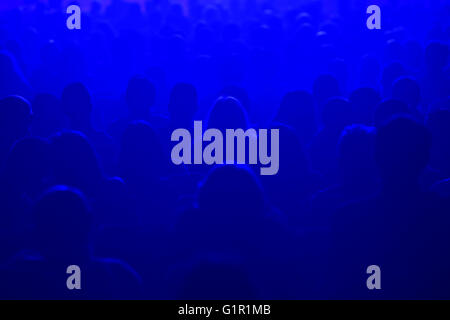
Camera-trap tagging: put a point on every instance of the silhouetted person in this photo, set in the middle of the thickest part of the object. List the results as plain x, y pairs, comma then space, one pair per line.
74, 162
12, 80
227, 113
62, 226
402, 226
291, 188
230, 203
407, 90
23, 178
15, 120
386, 109
77, 105
297, 110
357, 177
336, 115
391, 72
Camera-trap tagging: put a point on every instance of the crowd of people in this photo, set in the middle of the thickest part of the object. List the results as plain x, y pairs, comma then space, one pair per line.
86, 179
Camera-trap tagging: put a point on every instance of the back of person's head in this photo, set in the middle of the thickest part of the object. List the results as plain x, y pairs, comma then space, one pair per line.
75, 162
231, 192
227, 113
402, 149
297, 110
27, 165
76, 104
436, 56
337, 113
391, 72
292, 151
62, 223
240, 94
15, 117
325, 87
183, 103
12, 80
141, 155
364, 102
387, 109
140, 97
407, 90
356, 154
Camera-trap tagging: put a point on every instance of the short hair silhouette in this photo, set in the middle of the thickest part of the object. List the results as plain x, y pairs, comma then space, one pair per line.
436, 55
356, 152
297, 110
407, 90
141, 155
227, 113
75, 162
62, 221
387, 109
77, 105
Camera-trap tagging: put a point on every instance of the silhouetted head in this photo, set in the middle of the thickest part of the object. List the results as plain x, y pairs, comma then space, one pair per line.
407, 90
141, 156
387, 109
436, 56
364, 102
391, 73
76, 104
325, 87
74, 162
183, 104
295, 162
297, 110
227, 113
231, 192
356, 154
402, 149
62, 223
12, 80
240, 94
27, 166
15, 119
140, 97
